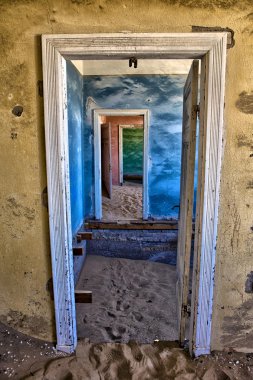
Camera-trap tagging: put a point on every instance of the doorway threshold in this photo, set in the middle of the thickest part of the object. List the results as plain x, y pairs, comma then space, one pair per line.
132, 224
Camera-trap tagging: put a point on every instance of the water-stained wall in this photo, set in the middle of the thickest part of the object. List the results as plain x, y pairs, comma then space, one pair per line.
25, 255
76, 162
163, 96
75, 135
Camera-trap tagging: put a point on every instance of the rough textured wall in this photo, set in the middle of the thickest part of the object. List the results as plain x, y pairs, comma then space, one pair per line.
25, 257
75, 133
163, 96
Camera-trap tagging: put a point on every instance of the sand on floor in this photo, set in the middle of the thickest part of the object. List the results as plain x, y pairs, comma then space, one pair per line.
132, 361
121, 362
24, 357
125, 204
132, 300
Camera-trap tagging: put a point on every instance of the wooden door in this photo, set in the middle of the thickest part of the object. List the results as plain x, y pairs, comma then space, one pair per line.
186, 195
106, 158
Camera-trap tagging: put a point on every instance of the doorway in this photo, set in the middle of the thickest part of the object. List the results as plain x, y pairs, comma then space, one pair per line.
106, 160
115, 168
211, 49
122, 168
131, 153
122, 252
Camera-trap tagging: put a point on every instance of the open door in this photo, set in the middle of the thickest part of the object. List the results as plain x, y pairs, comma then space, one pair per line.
186, 195
106, 158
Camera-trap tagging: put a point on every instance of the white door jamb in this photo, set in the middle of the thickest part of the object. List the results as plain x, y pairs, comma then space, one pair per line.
211, 49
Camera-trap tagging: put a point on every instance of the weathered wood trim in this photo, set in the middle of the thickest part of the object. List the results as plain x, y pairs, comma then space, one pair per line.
57, 48
210, 152
211, 29
131, 226
83, 296
141, 45
78, 250
146, 160
56, 132
83, 235
186, 194
121, 154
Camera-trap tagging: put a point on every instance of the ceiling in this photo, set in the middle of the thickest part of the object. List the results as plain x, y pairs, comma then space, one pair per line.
145, 66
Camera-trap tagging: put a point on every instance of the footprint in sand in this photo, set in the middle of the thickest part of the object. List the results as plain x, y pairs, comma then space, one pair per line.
115, 333
111, 314
122, 306
137, 316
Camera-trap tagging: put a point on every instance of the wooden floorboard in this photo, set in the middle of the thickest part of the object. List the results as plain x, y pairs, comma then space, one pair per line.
78, 250
132, 225
83, 235
83, 296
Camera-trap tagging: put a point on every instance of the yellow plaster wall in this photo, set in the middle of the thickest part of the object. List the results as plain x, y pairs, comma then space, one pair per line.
25, 256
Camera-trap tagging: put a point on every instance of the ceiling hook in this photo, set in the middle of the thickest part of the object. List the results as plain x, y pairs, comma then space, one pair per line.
133, 61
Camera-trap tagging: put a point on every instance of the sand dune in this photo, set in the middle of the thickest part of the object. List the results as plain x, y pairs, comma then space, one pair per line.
159, 361
36, 360
121, 362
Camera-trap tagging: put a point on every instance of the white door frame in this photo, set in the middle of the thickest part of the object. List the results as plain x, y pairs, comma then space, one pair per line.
211, 49
97, 114
121, 127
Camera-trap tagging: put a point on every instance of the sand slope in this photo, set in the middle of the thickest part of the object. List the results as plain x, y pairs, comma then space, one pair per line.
121, 362
159, 361
23, 357
132, 300
125, 204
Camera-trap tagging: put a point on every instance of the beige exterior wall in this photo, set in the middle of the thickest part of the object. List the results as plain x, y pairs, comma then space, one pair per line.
25, 256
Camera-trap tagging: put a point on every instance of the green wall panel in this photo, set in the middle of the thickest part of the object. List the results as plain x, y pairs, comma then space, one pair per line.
133, 151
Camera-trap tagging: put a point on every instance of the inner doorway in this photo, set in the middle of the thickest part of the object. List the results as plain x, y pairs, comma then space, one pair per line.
121, 145
106, 160
122, 168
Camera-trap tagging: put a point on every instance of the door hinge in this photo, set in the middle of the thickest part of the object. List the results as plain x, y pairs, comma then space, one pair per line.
195, 111
133, 61
40, 88
186, 309
198, 110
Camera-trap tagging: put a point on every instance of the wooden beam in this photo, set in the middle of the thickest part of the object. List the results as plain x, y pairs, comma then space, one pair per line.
83, 296
79, 248
212, 29
129, 177
81, 235
131, 226
138, 221
151, 222
78, 251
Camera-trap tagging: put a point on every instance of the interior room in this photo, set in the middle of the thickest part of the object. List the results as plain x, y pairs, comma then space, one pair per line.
122, 175
130, 271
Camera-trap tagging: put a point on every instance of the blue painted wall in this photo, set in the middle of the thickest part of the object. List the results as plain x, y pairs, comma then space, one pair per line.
76, 141
162, 95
